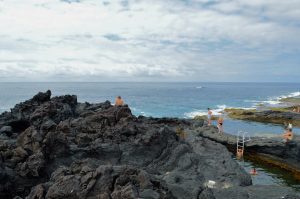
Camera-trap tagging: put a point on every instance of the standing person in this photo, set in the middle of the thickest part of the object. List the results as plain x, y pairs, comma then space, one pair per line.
288, 134
220, 124
239, 154
119, 101
290, 127
209, 115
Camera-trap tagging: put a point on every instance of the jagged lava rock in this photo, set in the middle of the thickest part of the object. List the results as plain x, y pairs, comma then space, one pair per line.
59, 148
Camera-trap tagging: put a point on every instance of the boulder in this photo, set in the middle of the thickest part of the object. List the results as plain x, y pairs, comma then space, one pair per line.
6, 130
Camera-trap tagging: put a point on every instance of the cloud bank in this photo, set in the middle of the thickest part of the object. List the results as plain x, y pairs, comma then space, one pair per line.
141, 40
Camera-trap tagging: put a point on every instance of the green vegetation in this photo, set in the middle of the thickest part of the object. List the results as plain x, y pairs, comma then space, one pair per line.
275, 115
204, 117
263, 116
240, 113
282, 109
294, 100
200, 117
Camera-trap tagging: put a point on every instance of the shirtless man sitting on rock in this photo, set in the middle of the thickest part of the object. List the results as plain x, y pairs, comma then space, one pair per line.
119, 101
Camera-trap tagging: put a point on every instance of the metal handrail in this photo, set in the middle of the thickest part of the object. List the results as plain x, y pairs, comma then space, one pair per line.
242, 137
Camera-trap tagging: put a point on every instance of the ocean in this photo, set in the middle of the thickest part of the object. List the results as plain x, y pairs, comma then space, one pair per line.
183, 100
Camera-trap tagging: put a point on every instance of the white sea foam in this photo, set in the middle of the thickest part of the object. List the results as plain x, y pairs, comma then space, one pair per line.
252, 101
277, 100
199, 87
143, 113
195, 113
218, 111
273, 101
294, 94
139, 112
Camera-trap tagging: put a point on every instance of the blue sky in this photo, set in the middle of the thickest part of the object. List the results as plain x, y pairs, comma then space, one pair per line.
143, 40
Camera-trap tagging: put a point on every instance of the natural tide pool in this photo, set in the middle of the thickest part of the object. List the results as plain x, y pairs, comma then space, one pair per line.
267, 174
270, 175
232, 126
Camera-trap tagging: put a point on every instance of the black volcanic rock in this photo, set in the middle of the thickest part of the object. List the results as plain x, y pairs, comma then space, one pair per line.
42, 97
7, 130
273, 148
59, 148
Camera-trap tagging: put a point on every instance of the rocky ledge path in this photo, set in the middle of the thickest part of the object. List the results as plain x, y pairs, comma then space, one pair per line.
272, 150
285, 115
58, 148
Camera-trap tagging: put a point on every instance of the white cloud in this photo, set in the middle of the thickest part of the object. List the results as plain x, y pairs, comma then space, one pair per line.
145, 40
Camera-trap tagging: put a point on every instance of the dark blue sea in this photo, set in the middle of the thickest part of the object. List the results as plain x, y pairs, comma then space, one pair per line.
183, 100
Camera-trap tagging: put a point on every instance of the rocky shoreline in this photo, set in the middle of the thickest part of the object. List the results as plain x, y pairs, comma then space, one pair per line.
275, 115
54, 148
270, 150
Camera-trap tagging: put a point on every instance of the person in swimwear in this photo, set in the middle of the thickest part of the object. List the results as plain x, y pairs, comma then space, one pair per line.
288, 135
220, 124
253, 171
209, 115
239, 154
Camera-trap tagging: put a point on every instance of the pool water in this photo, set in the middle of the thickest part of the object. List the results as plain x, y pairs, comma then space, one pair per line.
268, 175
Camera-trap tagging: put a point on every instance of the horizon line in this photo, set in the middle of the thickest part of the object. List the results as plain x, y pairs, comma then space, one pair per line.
146, 82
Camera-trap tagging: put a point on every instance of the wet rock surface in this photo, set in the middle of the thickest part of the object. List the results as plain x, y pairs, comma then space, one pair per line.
265, 116
273, 148
58, 148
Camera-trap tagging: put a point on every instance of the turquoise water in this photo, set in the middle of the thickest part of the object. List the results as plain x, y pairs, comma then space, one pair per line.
183, 100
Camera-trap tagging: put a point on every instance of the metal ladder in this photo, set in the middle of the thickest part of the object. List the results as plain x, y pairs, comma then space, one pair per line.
242, 137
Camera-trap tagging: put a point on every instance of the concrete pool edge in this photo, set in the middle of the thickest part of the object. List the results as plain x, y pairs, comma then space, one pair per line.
266, 150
